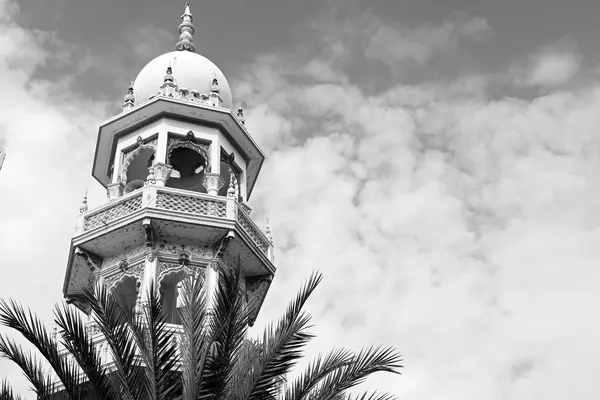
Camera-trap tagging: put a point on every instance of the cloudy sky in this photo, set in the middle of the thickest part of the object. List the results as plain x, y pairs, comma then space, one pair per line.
438, 161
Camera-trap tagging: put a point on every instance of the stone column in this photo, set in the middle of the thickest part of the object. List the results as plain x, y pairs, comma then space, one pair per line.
161, 173
213, 183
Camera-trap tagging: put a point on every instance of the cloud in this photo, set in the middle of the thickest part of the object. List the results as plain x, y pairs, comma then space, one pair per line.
549, 68
345, 32
461, 229
393, 44
45, 131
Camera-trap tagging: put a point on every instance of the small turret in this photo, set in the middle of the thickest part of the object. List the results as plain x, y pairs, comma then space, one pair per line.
129, 99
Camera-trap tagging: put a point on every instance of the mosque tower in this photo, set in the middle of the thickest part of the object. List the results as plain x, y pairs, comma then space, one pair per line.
179, 168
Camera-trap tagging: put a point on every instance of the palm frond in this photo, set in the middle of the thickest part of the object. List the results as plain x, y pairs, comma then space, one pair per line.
194, 342
32, 368
366, 362
109, 315
81, 346
14, 316
228, 325
317, 370
157, 347
281, 346
6, 392
369, 396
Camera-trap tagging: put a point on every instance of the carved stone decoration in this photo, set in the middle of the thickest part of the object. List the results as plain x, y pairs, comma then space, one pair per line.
162, 172
133, 254
136, 272
165, 269
195, 252
184, 259
92, 260
256, 289
222, 244
124, 265
131, 155
189, 143
149, 232
151, 178
212, 183
151, 255
246, 207
115, 190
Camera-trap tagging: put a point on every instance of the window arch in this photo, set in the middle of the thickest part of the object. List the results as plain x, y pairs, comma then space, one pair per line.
190, 161
136, 163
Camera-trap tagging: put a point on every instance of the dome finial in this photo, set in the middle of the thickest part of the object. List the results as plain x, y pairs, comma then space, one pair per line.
186, 31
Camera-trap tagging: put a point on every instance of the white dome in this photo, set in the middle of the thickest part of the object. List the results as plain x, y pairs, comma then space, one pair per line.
190, 70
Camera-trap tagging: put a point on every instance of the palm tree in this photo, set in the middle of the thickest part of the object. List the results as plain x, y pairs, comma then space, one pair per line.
210, 358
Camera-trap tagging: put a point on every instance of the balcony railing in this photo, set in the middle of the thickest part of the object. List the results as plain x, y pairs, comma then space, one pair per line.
180, 201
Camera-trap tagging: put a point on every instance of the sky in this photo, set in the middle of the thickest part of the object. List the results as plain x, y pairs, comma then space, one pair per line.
437, 160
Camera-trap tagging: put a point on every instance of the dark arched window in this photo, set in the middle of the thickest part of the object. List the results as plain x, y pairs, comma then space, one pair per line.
188, 170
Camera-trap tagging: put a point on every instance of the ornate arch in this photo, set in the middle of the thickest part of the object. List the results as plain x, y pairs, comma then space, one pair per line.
131, 156
112, 282
165, 269
189, 143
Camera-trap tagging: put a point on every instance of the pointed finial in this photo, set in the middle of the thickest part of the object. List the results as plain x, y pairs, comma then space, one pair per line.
214, 88
129, 99
169, 75
268, 232
186, 31
240, 114
84, 206
231, 190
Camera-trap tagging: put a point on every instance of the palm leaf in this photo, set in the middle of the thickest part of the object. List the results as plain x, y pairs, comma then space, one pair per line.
281, 346
363, 364
315, 372
194, 342
228, 327
13, 315
32, 368
79, 343
109, 315
157, 347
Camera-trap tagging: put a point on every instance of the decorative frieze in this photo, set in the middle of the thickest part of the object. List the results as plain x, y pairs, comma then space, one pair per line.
136, 272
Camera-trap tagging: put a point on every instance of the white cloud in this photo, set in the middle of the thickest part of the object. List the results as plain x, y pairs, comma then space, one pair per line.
548, 68
393, 44
461, 230
47, 132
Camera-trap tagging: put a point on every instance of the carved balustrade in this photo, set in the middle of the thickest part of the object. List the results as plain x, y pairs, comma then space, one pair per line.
179, 201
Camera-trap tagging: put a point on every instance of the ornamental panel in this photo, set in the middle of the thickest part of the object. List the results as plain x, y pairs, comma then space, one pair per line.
193, 205
252, 230
109, 214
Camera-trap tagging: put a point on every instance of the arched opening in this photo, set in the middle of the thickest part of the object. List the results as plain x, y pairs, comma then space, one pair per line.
188, 170
126, 292
137, 170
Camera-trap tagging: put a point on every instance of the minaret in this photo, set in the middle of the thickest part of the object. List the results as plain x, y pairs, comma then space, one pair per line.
179, 169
